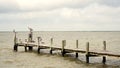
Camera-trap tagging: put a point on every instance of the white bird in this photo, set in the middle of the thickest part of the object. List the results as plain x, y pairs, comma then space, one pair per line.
30, 29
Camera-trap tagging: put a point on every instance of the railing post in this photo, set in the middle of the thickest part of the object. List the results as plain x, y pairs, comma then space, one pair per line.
104, 48
77, 48
87, 52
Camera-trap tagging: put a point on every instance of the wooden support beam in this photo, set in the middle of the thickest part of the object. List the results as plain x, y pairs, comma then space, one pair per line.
104, 48
63, 45
87, 52
76, 47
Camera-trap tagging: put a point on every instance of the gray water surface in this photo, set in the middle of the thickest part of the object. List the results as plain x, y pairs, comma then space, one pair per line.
21, 59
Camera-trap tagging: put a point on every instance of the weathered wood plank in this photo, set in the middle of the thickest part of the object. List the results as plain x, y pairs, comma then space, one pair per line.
71, 50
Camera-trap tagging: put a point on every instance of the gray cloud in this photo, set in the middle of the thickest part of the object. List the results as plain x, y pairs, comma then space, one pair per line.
7, 6
60, 15
114, 3
36, 5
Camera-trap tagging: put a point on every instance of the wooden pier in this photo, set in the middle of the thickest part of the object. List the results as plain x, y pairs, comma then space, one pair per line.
28, 45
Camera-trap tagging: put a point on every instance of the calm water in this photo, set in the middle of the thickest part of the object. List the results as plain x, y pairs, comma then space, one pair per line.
21, 59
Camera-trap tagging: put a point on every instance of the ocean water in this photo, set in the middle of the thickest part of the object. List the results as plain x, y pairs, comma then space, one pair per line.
22, 59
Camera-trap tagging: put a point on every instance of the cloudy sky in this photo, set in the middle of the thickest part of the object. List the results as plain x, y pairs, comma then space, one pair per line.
60, 15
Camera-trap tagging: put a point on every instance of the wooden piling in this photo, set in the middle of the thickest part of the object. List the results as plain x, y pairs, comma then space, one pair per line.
15, 47
76, 47
104, 48
15, 38
51, 45
38, 49
63, 45
38, 45
104, 59
87, 52
30, 48
30, 36
15, 42
25, 48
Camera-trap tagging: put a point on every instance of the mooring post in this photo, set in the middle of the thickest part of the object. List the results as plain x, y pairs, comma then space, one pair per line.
87, 52
63, 45
104, 48
77, 48
38, 45
51, 45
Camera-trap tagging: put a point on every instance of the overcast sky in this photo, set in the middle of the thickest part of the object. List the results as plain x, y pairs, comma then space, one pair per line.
60, 15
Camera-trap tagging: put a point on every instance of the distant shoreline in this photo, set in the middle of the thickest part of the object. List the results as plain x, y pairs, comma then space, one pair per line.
62, 31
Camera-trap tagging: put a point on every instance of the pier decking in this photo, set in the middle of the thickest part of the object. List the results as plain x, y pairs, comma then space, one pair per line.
107, 53
30, 45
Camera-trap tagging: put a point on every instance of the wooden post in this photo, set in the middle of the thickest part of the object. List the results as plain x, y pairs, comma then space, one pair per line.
30, 37
76, 47
30, 48
16, 47
51, 45
63, 45
104, 48
87, 52
38, 49
104, 43
38, 45
15, 41
26, 48
15, 38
